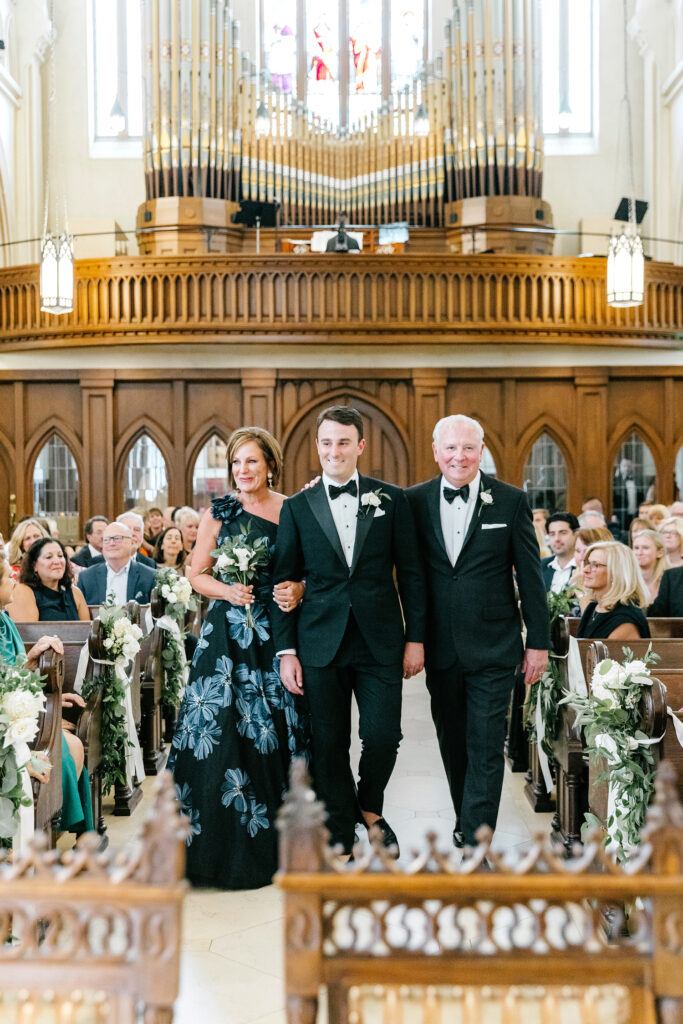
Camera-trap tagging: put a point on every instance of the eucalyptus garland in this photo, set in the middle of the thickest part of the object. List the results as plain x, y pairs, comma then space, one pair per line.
175, 593
173, 662
549, 686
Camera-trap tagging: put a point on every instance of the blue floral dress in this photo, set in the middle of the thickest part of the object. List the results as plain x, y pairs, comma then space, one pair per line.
237, 730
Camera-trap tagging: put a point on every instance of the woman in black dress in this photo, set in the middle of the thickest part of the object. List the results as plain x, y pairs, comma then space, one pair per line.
238, 727
617, 594
46, 592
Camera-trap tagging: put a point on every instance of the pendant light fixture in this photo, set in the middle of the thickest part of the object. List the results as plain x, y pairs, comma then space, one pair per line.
625, 259
56, 249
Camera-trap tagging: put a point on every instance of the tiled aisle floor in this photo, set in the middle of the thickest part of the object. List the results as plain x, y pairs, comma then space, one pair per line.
232, 941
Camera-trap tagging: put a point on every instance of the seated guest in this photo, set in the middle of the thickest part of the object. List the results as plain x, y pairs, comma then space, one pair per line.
188, 521
169, 550
154, 524
169, 515
676, 509
118, 575
672, 534
636, 526
23, 536
657, 515
593, 504
76, 814
648, 547
668, 603
92, 549
559, 567
46, 592
135, 524
583, 539
617, 594
539, 516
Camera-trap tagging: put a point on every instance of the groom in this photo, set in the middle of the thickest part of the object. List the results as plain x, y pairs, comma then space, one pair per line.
476, 537
345, 536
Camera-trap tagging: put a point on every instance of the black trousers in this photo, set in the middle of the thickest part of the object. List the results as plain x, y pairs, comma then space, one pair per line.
469, 710
327, 692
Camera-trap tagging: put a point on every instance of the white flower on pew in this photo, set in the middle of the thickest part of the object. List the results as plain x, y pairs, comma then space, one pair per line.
21, 730
22, 704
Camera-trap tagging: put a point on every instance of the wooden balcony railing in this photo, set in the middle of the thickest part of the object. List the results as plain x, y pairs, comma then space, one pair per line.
361, 297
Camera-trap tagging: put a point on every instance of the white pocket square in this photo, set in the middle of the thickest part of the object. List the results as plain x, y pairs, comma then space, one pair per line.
494, 526
379, 512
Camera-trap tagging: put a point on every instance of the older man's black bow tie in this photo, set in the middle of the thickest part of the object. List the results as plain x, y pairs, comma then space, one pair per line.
349, 487
451, 493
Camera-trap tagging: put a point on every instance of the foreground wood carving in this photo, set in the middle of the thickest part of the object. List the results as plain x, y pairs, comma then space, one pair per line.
90, 939
440, 933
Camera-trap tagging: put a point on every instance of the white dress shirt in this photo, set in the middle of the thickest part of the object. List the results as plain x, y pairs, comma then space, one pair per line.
344, 511
94, 552
561, 577
456, 517
117, 583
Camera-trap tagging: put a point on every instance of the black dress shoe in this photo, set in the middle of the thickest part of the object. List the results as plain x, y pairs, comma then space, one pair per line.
388, 835
458, 839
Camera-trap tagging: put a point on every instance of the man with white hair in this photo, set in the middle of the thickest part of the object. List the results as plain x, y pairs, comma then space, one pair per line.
136, 525
117, 576
476, 536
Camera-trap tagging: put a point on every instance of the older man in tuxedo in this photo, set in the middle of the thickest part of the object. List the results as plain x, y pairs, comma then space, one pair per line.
119, 576
476, 536
351, 637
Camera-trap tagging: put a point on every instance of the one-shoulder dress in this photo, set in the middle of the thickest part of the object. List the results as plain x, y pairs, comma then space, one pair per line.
237, 731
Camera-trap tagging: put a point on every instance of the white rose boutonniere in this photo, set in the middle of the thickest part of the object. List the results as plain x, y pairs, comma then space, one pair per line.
485, 498
372, 500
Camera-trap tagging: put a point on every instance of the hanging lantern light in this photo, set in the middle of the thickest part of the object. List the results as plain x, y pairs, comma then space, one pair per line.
56, 274
625, 259
625, 269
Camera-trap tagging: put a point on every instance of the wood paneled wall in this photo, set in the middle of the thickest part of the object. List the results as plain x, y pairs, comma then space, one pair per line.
100, 415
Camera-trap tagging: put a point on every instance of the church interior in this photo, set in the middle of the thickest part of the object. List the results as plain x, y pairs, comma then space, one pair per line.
216, 214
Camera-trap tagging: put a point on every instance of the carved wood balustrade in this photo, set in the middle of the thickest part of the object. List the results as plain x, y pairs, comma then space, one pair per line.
364, 297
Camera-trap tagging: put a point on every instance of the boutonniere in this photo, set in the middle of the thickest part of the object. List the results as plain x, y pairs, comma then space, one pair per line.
372, 500
485, 498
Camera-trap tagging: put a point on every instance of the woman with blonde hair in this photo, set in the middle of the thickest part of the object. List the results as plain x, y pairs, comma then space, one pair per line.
671, 530
617, 593
650, 552
583, 538
657, 514
25, 533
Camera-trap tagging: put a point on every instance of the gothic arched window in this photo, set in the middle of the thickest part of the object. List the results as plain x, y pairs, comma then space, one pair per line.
55, 486
545, 476
210, 477
145, 477
634, 479
487, 463
342, 58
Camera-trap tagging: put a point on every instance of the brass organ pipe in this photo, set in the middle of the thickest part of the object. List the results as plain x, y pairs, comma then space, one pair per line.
175, 98
156, 137
214, 77
165, 103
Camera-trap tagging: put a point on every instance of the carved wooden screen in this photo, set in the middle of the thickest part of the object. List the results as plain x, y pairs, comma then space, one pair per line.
385, 455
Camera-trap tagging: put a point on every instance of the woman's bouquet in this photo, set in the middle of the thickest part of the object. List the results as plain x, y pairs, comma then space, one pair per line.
175, 591
21, 702
238, 560
610, 716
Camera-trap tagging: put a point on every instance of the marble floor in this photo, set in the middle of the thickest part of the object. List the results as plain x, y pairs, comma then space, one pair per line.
232, 964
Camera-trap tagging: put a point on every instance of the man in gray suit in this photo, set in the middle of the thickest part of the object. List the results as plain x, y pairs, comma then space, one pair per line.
118, 576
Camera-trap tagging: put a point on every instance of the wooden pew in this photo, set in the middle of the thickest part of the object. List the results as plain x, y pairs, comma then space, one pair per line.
96, 940
47, 796
659, 627
572, 769
151, 729
387, 941
87, 720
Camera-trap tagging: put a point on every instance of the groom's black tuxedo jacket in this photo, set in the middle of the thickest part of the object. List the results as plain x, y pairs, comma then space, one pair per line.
308, 547
472, 612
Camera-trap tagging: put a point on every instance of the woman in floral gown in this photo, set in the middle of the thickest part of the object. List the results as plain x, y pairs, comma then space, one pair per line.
238, 727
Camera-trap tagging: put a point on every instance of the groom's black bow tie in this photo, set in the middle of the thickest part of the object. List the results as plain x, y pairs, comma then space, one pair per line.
348, 488
451, 493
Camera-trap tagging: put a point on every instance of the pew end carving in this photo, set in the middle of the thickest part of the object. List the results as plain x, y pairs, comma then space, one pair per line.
91, 932
439, 931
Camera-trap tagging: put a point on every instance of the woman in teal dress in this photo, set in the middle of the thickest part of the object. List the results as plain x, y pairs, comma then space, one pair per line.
76, 804
238, 727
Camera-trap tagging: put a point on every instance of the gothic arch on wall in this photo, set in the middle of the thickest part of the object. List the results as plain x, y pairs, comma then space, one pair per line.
387, 451
622, 435
7, 481
562, 496
124, 447
40, 438
195, 446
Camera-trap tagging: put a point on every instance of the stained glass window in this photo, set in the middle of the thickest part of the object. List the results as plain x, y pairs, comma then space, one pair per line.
322, 34
210, 478
407, 43
545, 476
117, 69
365, 58
569, 76
279, 41
144, 478
55, 487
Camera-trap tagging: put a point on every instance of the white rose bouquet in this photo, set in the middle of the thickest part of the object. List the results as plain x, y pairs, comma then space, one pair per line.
175, 592
177, 597
21, 703
610, 717
238, 560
